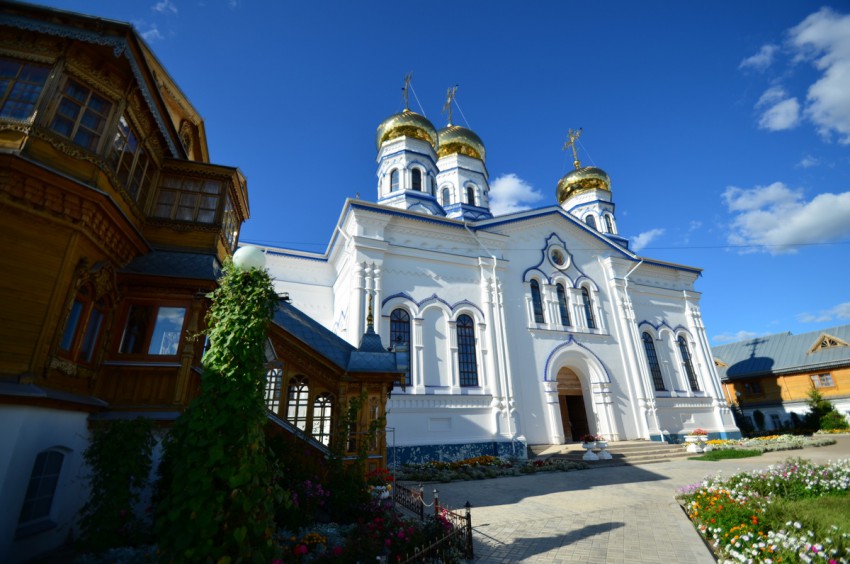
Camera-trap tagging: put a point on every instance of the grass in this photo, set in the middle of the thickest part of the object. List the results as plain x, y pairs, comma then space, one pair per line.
795, 511
818, 513
727, 454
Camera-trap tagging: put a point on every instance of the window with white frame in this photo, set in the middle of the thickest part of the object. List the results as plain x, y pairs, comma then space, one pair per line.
41, 490
537, 302
274, 385
446, 197
322, 408
687, 364
563, 306
822, 380
296, 402
416, 179
81, 115
654, 365
587, 304
467, 361
590, 220
394, 180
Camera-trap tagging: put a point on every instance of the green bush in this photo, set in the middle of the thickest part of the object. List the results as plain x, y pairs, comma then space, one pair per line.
834, 421
119, 458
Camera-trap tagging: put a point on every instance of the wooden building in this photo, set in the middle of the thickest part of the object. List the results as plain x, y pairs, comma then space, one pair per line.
114, 226
774, 374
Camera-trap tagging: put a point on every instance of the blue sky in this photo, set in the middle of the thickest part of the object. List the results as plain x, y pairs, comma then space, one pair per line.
725, 126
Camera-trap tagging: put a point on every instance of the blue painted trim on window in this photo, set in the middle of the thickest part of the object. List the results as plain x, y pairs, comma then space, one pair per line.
433, 297
675, 330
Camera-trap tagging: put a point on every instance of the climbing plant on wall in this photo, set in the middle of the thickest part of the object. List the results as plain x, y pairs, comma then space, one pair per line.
218, 495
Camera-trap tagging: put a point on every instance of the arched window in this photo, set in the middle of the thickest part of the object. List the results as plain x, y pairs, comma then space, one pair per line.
41, 489
588, 308
447, 197
433, 185
322, 418
416, 179
394, 180
537, 302
609, 223
296, 402
562, 305
274, 383
687, 364
470, 195
399, 327
590, 220
652, 358
466, 351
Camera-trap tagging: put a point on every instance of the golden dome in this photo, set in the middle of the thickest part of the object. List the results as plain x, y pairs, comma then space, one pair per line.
407, 124
581, 180
456, 139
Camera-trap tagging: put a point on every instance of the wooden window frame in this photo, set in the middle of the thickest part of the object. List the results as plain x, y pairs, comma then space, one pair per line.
22, 90
150, 329
84, 110
80, 338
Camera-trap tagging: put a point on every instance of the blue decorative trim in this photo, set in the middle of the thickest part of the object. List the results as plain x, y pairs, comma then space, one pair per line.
675, 330
679, 438
410, 152
571, 340
421, 454
532, 269
433, 297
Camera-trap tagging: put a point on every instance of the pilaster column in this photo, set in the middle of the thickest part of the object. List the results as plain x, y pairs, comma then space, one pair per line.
553, 412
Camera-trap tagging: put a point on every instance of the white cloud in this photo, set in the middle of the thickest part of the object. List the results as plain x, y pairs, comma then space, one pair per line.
761, 60
734, 337
694, 225
781, 116
164, 6
824, 39
778, 218
808, 161
641, 240
151, 34
510, 193
841, 311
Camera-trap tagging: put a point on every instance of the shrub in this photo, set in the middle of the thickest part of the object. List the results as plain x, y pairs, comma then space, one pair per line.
119, 457
834, 421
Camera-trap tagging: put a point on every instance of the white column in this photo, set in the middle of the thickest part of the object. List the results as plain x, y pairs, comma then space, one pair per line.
553, 412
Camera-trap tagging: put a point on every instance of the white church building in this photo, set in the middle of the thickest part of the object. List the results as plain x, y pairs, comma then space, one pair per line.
535, 327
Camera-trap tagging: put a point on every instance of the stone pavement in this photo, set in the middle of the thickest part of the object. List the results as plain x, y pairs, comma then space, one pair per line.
618, 514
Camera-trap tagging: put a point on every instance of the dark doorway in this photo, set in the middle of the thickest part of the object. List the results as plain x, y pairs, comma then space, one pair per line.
573, 417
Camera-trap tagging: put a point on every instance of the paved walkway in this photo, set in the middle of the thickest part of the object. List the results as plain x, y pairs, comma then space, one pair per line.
618, 514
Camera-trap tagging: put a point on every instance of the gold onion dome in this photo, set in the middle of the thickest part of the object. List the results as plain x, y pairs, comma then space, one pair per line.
456, 139
406, 124
581, 180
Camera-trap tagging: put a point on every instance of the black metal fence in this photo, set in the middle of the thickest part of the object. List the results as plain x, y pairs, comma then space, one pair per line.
453, 531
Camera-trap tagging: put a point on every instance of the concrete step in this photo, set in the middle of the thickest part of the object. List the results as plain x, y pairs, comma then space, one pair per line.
622, 453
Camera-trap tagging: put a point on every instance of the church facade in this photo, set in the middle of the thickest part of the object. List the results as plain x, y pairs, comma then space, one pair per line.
535, 327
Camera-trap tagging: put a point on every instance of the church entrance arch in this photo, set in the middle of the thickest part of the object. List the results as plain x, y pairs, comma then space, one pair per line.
571, 403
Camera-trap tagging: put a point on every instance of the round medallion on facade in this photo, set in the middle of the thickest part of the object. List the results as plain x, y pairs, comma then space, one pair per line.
559, 257
581, 180
406, 124
456, 139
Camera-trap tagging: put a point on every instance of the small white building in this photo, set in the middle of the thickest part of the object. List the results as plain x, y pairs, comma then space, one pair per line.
535, 327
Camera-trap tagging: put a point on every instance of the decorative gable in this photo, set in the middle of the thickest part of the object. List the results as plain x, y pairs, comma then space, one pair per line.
827, 341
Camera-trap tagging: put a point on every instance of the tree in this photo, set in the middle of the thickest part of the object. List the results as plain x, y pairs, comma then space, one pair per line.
218, 490
822, 414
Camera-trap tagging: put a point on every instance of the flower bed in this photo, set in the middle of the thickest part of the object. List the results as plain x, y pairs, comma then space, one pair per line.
482, 467
771, 442
743, 517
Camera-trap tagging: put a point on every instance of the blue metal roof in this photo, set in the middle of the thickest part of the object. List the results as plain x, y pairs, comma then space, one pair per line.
782, 353
370, 357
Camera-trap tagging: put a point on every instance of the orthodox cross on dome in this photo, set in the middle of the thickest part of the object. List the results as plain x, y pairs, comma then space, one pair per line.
572, 137
450, 96
405, 90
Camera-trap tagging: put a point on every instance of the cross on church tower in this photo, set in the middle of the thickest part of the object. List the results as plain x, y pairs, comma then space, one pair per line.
450, 96
405, 90
572, 137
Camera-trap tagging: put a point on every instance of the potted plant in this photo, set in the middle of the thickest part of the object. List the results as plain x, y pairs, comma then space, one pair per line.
588, 442
696, 440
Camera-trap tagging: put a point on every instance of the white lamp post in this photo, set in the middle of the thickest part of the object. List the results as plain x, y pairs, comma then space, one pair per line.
248, 257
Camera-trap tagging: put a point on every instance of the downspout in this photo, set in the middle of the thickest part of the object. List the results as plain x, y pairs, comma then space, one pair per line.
500, 323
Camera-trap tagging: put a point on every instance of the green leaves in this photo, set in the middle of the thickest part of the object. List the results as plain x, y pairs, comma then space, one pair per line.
216, 495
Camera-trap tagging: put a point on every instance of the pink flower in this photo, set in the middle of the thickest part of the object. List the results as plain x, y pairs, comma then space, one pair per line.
388, 542
337, 551
301, 549
400, 534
